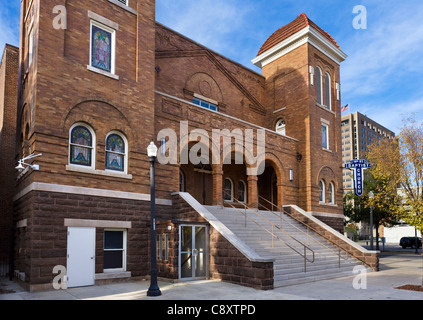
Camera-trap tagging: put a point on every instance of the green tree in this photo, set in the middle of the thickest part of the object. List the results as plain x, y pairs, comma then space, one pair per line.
357, 209
400, 161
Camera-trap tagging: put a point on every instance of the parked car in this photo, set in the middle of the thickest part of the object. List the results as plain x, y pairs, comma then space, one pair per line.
406, 242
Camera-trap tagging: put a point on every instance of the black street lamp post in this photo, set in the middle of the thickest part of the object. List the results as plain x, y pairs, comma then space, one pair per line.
154, 290
371, 194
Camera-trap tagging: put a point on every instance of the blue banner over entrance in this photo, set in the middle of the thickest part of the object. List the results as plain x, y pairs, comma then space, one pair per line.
358, 167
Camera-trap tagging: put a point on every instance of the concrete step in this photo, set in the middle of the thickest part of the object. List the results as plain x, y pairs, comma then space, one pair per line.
288, 265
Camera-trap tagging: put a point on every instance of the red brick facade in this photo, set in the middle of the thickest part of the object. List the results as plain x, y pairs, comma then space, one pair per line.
157, 73
8, 104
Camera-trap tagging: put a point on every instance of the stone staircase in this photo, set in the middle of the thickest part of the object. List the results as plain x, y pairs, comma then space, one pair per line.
286, 247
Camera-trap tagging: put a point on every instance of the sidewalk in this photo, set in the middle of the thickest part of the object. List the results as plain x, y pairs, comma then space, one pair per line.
397, 269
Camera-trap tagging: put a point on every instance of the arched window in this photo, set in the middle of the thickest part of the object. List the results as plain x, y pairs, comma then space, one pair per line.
181, 181
242, 191
228, 190
116, 152
331, 193
81, 145
321, 191
328, 97
280, 127
319, 89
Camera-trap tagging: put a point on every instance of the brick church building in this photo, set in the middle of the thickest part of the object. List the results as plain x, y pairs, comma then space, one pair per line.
92, 96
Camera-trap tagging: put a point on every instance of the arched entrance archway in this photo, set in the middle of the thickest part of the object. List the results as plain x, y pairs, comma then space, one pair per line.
197, 179
267, 186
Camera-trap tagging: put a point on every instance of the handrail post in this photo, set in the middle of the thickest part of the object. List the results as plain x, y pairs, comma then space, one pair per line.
305, 260
245, 215
280, 217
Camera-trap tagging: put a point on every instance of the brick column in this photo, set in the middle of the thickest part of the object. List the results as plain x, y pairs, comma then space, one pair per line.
217, 186
252, 191
280, 195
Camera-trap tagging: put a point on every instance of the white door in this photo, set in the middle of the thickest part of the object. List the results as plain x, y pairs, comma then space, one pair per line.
81, 257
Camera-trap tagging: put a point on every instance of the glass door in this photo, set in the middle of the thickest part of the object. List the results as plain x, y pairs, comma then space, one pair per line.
192, 252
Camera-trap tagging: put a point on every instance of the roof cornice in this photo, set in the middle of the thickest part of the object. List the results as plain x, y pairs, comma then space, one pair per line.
305, 35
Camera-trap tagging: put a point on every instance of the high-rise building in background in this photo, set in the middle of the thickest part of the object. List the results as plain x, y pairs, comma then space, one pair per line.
358, 132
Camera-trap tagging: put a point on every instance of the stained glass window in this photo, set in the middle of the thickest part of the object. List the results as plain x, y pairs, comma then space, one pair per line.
81, 146
101, 50
115, 153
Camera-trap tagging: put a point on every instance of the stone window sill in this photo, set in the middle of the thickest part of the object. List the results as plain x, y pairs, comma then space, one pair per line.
106, 173
328, 204
104, 73
119, 4
324, 108
113, 275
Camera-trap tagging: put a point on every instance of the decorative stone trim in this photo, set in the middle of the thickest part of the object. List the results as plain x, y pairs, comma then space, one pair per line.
40, 186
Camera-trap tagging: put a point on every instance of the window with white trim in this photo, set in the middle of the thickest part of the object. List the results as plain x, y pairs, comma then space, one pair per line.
30, 46
331, 193
181, 181
325, 136
228, 188
319, 88
102, 47
321, 191
328, 97
82, 145
204, 104
242, 191
280, 127
116, 152
114, 255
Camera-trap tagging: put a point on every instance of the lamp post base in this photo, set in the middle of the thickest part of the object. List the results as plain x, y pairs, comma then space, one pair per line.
154, 292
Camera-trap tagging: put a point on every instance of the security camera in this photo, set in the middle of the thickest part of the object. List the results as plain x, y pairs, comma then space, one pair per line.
20, 167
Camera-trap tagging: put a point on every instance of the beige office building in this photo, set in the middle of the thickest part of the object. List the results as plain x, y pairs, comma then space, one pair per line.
358, 132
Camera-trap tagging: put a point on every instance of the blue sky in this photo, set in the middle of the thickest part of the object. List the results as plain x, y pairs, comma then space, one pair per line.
382, 76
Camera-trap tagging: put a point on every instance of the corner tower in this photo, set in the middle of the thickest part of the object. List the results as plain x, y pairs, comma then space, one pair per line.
301, 64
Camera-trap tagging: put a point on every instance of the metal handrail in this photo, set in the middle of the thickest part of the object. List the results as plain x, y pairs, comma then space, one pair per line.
308, 227
272, 232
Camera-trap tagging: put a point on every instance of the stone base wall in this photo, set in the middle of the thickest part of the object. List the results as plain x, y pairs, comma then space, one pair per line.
228, 264
41, 233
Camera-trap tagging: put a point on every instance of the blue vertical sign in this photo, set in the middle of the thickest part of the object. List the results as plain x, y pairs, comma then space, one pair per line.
358, 167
